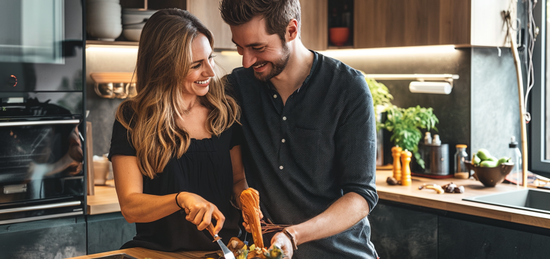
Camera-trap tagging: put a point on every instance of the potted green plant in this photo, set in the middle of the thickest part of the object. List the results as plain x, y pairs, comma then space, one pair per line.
405, 125
381, 99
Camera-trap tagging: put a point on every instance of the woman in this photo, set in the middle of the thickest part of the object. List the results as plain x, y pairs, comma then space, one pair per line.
176, 164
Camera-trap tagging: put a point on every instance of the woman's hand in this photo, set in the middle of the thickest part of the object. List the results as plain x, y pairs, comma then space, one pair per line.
200, 211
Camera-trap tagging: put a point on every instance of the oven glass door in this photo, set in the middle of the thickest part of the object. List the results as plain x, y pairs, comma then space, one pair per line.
40, 160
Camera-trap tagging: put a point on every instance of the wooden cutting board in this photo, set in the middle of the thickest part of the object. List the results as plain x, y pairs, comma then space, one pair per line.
143, 253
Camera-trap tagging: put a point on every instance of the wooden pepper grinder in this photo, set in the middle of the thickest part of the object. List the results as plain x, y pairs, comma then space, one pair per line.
396, 153
405, 168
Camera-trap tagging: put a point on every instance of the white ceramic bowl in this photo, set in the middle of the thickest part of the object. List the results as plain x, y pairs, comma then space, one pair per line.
104, 32
131, 34
133, 26
106, 20
134, 18
112, 1
138, 11
103, 9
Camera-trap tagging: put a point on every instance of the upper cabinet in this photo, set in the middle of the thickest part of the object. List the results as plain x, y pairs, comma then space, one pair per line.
396, 23
153, 5
208, 12
313, 31
314, 20
372, 23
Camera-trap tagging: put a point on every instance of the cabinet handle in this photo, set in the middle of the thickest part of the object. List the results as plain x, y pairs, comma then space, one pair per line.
33, 123
42, 207
27, 219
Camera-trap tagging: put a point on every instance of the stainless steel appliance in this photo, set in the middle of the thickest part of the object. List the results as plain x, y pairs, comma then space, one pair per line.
41, 110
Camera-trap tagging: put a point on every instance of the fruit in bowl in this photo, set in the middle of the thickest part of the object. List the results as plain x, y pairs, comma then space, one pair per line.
488, 169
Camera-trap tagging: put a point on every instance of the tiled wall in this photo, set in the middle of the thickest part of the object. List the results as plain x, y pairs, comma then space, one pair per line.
481, 111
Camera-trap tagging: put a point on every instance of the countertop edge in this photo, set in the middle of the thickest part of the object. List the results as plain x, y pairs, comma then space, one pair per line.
453, 202
105, 199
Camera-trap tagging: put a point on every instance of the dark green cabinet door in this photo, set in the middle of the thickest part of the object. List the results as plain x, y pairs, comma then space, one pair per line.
52, 238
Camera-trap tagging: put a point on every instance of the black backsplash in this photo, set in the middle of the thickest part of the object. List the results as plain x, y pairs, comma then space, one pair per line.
482, 109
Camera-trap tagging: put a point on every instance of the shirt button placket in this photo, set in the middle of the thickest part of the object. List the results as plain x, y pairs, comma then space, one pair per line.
281, 167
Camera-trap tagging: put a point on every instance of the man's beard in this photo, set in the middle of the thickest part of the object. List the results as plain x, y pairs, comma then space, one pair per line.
277, 67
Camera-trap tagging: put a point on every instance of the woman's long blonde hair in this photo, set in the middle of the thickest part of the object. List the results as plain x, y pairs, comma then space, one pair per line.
163, 62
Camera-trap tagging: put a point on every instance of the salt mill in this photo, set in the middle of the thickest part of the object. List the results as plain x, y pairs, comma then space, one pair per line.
405, 168
396, 153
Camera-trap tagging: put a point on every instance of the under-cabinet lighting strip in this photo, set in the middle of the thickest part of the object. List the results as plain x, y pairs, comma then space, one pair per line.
412, 76
330, 52
112, 48
390, 51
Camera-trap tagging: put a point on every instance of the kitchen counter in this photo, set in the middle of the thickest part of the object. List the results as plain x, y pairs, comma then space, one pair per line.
453, 201
141, 253
105, 199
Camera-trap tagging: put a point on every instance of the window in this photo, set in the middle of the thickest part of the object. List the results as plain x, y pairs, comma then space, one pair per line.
539, 141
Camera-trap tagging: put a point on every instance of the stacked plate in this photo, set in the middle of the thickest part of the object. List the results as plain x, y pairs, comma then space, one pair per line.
103, 19
133, 21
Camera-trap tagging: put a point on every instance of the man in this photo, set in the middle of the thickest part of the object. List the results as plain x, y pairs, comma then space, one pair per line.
309, 129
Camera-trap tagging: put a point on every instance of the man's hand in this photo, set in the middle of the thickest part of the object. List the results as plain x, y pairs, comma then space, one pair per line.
283, 241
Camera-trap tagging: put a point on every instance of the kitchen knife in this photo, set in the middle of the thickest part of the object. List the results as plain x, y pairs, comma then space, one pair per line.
227, 254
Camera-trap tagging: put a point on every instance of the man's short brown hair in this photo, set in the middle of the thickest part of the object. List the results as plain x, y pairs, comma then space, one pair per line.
277, 13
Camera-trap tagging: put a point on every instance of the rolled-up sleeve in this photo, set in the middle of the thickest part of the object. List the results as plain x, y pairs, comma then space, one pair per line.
355, 141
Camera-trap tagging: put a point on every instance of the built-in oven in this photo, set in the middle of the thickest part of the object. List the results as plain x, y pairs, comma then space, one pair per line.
42, 107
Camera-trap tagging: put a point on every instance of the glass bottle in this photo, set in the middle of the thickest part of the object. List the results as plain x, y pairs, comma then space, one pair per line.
515, 156
428, 138
436, 141
460, 170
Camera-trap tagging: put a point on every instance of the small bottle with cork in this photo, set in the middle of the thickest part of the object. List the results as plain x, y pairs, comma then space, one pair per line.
460, 169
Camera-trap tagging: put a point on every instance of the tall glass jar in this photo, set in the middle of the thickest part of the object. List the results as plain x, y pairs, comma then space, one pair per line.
460, 169
515, 156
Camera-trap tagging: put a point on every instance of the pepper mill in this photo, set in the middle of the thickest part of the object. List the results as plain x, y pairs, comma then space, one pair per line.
406, 169
396, 153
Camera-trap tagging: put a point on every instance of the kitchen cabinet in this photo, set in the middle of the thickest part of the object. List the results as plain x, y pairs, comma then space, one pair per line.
396, 23
208, 13
153, 5
52, 238
314, 23
407, 231
107, 232
314, 18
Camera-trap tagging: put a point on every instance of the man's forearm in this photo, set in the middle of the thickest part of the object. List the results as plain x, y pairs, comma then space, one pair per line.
341, 215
